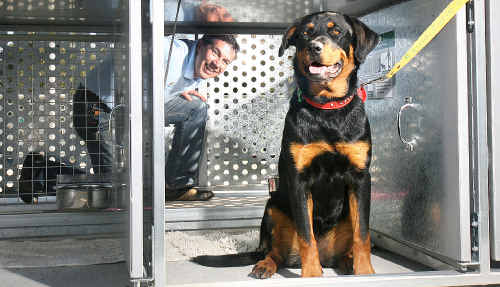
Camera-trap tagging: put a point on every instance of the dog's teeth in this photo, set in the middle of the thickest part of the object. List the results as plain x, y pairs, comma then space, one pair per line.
317, 70
324, 71
332, 69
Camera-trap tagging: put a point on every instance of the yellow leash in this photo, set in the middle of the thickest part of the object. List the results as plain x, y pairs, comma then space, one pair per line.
434, 28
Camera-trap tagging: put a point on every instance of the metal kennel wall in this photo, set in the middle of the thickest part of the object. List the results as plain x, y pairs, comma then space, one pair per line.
247, 108
422, 189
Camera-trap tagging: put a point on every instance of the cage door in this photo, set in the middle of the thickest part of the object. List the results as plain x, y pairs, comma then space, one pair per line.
127, 129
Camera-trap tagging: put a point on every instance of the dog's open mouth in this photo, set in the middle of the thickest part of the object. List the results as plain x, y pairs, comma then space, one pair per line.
325, 72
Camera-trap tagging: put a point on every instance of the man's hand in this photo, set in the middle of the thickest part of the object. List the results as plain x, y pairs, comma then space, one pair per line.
187, 95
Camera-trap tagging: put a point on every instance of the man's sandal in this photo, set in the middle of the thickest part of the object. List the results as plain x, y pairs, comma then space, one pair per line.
192, 194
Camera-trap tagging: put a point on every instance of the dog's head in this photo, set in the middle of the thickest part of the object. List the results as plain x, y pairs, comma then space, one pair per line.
330, 47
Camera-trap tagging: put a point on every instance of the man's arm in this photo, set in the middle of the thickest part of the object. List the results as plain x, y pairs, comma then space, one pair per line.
187, 95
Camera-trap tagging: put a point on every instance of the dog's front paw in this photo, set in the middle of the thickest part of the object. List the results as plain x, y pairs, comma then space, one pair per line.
364, 269
264, 269
313, 271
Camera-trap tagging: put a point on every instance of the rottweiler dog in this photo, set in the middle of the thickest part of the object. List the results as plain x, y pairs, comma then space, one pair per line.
319, 215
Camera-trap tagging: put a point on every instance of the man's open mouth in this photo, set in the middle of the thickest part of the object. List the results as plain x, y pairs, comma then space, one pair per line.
319, 70
211, 69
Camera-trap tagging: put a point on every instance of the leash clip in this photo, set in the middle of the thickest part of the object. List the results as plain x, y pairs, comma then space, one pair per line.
379, 79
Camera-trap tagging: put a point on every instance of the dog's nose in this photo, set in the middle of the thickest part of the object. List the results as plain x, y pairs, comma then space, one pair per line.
316, 47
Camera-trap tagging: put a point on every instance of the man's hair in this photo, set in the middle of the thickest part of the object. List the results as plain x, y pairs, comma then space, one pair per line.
228, 38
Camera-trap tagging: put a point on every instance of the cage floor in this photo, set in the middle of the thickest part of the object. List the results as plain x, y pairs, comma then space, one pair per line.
224, 210
193, 243
224, 199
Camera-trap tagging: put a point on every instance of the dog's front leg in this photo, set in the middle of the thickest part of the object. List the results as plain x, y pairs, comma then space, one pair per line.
359, 211
302, 208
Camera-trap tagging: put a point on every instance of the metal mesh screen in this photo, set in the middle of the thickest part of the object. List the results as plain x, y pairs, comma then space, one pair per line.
37, 81
247, 107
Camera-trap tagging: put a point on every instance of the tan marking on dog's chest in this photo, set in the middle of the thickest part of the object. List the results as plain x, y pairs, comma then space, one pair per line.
304, 154
357, 152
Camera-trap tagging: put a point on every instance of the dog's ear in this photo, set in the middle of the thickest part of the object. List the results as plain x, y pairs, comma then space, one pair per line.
288, 39
366, 39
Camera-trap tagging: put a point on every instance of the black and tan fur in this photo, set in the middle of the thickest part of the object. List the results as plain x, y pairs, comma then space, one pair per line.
319, 216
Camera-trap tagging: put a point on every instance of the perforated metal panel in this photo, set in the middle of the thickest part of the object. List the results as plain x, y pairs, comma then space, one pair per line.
285, 11
19, 7
37, 81
55, 12
247, 107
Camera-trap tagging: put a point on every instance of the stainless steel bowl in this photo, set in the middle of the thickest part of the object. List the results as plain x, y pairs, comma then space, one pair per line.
79, 197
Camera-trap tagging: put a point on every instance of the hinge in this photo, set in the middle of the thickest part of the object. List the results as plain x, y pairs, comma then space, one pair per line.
470, 16
474, 228
140, 282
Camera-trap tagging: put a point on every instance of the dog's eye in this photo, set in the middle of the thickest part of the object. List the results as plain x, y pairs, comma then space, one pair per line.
335, 31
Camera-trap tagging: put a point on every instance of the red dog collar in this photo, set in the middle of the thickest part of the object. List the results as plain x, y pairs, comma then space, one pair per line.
334, 105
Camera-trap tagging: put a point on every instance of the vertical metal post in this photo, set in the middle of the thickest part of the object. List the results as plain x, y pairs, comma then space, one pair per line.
479, 101
493, 90
158, 144
135, 143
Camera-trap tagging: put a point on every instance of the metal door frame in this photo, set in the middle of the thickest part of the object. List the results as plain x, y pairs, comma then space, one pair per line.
494, 119
135, 152
159, 258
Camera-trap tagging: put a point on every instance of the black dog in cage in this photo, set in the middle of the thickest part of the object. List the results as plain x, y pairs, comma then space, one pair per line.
39, 173
39, 176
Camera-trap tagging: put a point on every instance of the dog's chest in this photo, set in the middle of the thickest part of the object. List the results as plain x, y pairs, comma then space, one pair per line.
325, 138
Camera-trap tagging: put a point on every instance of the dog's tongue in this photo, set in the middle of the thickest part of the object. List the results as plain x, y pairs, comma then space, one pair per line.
317, 69
324, 70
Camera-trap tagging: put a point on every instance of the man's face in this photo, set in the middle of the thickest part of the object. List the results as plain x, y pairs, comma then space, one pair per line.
213, 59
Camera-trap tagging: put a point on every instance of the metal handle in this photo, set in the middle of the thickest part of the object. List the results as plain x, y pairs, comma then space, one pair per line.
410, 143
113, 110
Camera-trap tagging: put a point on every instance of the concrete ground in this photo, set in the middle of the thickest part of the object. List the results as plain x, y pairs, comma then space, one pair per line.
76, 261
102, 275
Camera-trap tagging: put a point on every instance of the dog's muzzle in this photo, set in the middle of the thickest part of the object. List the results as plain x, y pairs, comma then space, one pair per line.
315, 48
